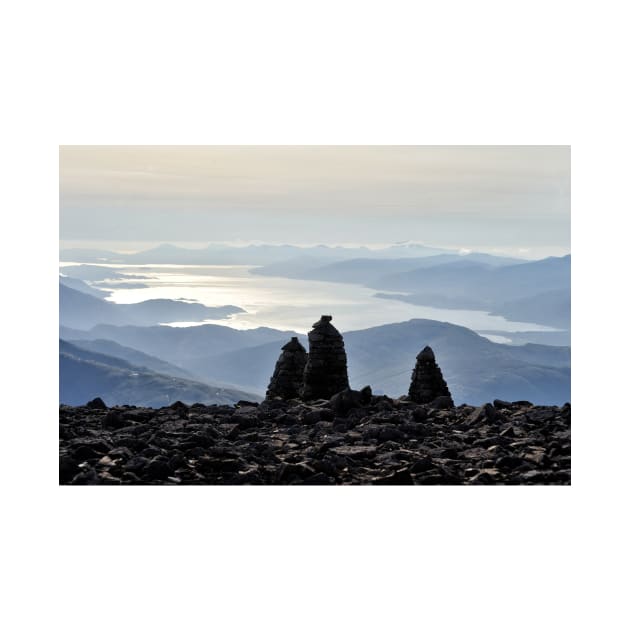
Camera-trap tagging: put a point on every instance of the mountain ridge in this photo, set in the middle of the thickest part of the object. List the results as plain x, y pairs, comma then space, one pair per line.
381, 356
84, 375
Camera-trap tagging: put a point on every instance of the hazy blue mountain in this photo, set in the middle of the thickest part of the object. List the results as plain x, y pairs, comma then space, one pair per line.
476, 369
217, 254
83, 287
72, 334
135, 357
502, 283
90, 255
296, 267
366, 270
552, 308
249, 367
437, 300
82, 311
97, 272
79, 310
538, 291
85, 375
184, 346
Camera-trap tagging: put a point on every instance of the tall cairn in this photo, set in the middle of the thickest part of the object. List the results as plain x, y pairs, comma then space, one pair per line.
326, 371
288, 377
427, 382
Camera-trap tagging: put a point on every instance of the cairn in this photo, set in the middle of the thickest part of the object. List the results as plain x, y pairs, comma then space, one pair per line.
288, 377
326, 372
427, 382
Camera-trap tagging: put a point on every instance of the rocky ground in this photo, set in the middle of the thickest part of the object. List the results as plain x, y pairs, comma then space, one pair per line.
383, 442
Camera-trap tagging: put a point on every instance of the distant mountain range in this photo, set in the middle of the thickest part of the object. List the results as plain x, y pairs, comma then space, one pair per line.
527, 291
477, 370
365, 270
98, 272
83, 287
84, 375
120, 349
78, 309
216, 254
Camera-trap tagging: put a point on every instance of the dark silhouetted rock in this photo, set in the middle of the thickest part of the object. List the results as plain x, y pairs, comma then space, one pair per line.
288, 377
427, 382
485, 412
366, 395
346, 400
68, 468
382, 441
442, 402
97, 403
326, 372
157, 469
113, 420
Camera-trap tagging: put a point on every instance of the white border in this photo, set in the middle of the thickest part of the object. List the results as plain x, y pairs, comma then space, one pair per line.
339, 73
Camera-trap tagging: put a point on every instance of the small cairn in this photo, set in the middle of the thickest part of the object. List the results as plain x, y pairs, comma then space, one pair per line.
326, 371
288, 377
427, 382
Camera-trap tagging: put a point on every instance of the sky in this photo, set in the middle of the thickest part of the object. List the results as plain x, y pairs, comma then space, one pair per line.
501, 199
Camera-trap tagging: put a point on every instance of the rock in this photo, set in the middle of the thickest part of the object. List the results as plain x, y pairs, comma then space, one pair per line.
383, 441
326, 372
355, 451
390, 434
346, 400
422, 465
366, 395
113, 420
97, 403
442, 402
419, 414
136, 464
92, 450
318, 479
287, 380
178, 405
68, 468
509, 462
157, 469
485, 412
121, 452
246, 416
248, 403
293, 472
501, 404
398, 478
485, 476
427, 382
317, 415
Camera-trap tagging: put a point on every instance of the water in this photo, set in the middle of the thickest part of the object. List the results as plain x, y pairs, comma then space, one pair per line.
288, 304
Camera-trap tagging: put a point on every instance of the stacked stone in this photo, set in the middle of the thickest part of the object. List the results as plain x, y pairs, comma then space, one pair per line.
427, 382
288, 377
326, 372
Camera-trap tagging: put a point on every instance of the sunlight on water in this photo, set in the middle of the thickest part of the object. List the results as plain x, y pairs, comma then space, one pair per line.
284, 303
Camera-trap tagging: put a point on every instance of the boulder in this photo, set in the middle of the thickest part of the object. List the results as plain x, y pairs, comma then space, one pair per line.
97, 403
